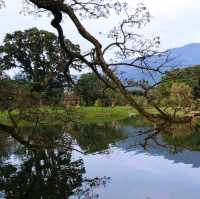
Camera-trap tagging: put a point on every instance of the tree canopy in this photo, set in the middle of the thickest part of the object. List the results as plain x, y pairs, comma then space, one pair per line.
37, 54
94, 92
189, 76
90, 88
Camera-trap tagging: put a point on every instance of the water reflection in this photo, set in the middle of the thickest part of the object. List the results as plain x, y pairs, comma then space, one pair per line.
97, 138
54, 169
44, 172
179, 143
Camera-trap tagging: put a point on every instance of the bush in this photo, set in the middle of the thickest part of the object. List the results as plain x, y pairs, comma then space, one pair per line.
98, 103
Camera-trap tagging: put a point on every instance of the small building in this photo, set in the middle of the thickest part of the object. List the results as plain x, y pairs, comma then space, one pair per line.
70, 99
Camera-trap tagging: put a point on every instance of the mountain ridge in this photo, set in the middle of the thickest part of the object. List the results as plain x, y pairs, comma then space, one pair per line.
181, 57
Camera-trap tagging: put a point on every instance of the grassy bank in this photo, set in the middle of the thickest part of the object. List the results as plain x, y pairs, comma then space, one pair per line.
93, 114
81, 114
104, 114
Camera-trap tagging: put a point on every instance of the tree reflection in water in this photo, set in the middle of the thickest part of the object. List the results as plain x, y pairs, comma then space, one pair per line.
46, 172
51, 170
96, 138
174, 137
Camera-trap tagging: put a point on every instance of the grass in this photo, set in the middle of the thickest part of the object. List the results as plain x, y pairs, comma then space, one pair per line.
92, 114
4, 118
82, 114
104, 114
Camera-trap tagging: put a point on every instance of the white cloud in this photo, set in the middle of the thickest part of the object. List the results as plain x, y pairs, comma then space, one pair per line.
176, 21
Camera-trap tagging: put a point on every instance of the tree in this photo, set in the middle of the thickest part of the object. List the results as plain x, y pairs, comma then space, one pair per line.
38, 55
14, 95
180, 98
90, 88
113, 98
189, 76
196, 91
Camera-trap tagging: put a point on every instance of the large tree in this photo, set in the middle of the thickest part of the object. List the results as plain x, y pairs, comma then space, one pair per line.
38, 55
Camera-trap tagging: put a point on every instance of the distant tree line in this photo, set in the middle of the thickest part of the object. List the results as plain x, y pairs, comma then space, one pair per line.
189, 76
179, 90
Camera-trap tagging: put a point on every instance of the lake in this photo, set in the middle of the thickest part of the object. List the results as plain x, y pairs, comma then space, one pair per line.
118, 160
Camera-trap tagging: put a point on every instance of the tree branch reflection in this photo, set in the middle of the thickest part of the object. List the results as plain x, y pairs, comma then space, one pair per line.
45, 172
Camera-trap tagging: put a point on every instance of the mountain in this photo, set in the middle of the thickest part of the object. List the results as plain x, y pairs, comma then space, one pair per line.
181, 57
187, 55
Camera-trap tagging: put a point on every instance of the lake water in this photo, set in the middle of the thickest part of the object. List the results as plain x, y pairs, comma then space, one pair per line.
115, 163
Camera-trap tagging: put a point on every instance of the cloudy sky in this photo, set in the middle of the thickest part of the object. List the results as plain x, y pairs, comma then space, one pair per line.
175, 21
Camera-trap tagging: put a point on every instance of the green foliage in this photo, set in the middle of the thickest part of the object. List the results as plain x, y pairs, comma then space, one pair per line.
113, 98
177, 98
189, 76
180, 96
98, 103
38, 55
90, 88
93, 138
14, 95
53, 94
104, 114
178, 89
196, 91
183, 137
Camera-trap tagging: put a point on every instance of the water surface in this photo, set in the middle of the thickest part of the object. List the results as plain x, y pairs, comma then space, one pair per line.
114, 164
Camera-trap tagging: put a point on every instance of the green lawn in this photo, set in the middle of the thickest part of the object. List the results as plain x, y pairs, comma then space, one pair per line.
104, 114
93, 114
82, 114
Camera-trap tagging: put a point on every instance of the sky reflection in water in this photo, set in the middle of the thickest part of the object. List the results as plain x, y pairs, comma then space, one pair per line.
110, 168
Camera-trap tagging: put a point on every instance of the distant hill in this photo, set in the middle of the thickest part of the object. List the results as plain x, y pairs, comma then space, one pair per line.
189, 75
182, 57
187, 55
